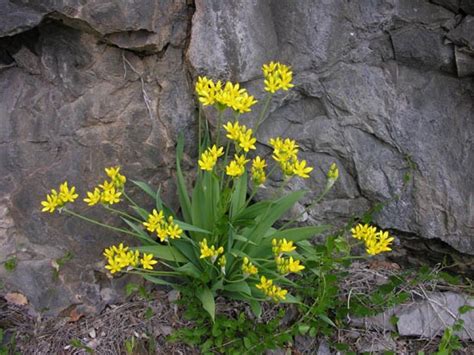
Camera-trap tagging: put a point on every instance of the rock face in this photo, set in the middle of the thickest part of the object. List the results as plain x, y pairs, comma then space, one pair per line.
383, 88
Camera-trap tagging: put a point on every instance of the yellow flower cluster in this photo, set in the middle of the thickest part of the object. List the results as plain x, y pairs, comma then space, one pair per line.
241, 135
285, 152
258, 171
285, 266
277, 77
110, 191
333, 172
236, 167
272, 291
211, 252
56, 200
376, 242
209, 157
223, 96
248, 268
164, 229
281, 246
120, 257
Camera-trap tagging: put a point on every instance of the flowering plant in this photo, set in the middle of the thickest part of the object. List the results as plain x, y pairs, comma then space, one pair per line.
221, 241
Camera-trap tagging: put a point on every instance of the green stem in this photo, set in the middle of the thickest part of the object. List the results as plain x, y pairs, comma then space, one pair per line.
199, 129
293, 220
263, 112
153, 272
93, 221
107, 207
219, 119
129, 199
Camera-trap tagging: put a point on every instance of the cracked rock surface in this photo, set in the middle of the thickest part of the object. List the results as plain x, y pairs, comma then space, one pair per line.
385, 89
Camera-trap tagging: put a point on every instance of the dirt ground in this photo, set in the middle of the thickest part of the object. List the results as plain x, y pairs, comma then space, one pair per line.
147, 323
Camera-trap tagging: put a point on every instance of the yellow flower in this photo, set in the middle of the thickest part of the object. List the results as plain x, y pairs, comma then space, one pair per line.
333, 172
111, 196
67, 194
147, 261
209, 157
51, 203
285, 266
211, 252
154, 220
276, 293
300, 169
114, 174
272, 291
233, 130
174, 231
216, 152
277, 77
258, 170
259, 163
162, 232
244, 102
56, 200
379, 244
264, 284
113, 266
282, 246
284, 150
230, 95
93, 198
248, 268
246, 141
237, 166
364, 232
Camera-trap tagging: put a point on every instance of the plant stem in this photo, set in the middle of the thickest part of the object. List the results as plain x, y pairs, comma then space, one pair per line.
107, 207
93, 221
199, 129
293, 220
263, 112
219, 119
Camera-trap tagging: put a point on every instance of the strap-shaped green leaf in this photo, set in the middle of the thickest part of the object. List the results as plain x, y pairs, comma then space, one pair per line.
140, 233
239, 195
207, 299
165, 252
182, 190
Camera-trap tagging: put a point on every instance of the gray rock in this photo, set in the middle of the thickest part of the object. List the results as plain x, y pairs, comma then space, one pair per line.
464, 61
430, 317
420, 47
463, 35
452, 5
85, 85
425, 318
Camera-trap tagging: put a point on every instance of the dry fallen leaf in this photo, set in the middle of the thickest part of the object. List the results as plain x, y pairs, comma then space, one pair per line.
16, 298
383, 265
74, 315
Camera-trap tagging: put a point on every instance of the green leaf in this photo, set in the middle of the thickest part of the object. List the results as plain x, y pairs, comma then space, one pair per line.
165, 252
140, 233
303, 328
191, 270
189, 227
256, 308
187, 249
242, 287
251, 212
299, 234
182, 190
239, 195
145, 187
141, 212
325, 319
243, 239
207, 299
273, 213
157, 280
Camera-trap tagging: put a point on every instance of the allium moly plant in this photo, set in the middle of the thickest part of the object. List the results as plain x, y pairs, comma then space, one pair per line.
220, 242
